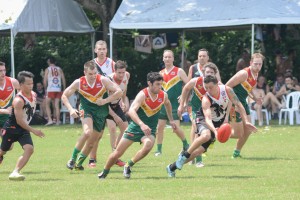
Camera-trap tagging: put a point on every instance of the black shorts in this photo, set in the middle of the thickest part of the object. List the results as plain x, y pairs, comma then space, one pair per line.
11, 135
118, 110
202, 126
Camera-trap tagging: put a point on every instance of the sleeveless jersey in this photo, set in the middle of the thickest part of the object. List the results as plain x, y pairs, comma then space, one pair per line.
28, 110
197, 70
243, 89
172, 85
54, 79
199, 91
122, 84
6, 98
148, 112
106, 68
88, 95
219, 105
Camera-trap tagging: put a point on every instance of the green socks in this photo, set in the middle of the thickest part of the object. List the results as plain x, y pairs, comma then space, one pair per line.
185, 144
198, 159
236, 153
75, 154
105, 171
159, 147
80, 159
130, 163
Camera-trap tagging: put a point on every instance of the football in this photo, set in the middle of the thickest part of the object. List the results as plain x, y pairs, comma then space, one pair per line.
224, 132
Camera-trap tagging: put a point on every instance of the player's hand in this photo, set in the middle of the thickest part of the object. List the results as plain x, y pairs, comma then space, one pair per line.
173, 125
146, 129
117, 119
101, 101
74, 113
38, 133
179, 111
250, 127
8, 110
179, 99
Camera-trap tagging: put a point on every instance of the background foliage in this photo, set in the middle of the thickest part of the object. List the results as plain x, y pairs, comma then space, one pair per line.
72, 51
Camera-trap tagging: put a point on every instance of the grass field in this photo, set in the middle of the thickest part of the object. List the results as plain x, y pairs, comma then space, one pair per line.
270, 169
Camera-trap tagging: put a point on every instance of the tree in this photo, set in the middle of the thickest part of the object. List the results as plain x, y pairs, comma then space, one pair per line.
104, 9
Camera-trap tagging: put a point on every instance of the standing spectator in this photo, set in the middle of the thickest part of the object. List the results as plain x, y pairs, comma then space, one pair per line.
244, 61
41, 98
55, 82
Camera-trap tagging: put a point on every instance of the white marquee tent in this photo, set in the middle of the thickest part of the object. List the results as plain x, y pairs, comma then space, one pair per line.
42, 17
203, 14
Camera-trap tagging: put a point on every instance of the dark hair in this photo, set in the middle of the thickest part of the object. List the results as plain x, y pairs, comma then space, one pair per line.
154, 76
23, 74
288, 76
120, 65
90, 65
210, 79
52, 60
211, 66
2, 63
203, 49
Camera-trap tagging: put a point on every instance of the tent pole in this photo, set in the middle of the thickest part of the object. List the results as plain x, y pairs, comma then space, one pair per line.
252, 39
182, 50
93, 43
111, 43
12, 54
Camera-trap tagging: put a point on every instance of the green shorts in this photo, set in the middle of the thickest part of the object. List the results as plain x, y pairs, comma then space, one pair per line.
237, 116
163, 114
98, 118
135, 137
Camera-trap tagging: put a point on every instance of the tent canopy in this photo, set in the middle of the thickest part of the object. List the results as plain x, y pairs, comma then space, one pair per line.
42, 17
188, 14
36, 16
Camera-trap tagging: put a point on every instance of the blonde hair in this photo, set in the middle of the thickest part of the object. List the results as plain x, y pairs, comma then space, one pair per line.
100, 42
167, 50
90, 65
257, 55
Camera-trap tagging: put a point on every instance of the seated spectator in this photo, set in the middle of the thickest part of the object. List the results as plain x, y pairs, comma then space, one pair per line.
262, 84
288, 87
267, 99
41, 99
278, 84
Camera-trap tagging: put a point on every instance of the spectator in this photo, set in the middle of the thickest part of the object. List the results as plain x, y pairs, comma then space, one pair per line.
262, 84
278, 84
55, 83
267, 99
244, 61
288, 87
41, 99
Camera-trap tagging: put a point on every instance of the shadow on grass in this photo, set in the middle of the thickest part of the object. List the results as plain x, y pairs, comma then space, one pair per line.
150, 178
38, 172
234, 177
266, 158
45, 179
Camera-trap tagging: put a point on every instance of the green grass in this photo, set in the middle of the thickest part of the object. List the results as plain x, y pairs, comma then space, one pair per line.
270, 170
